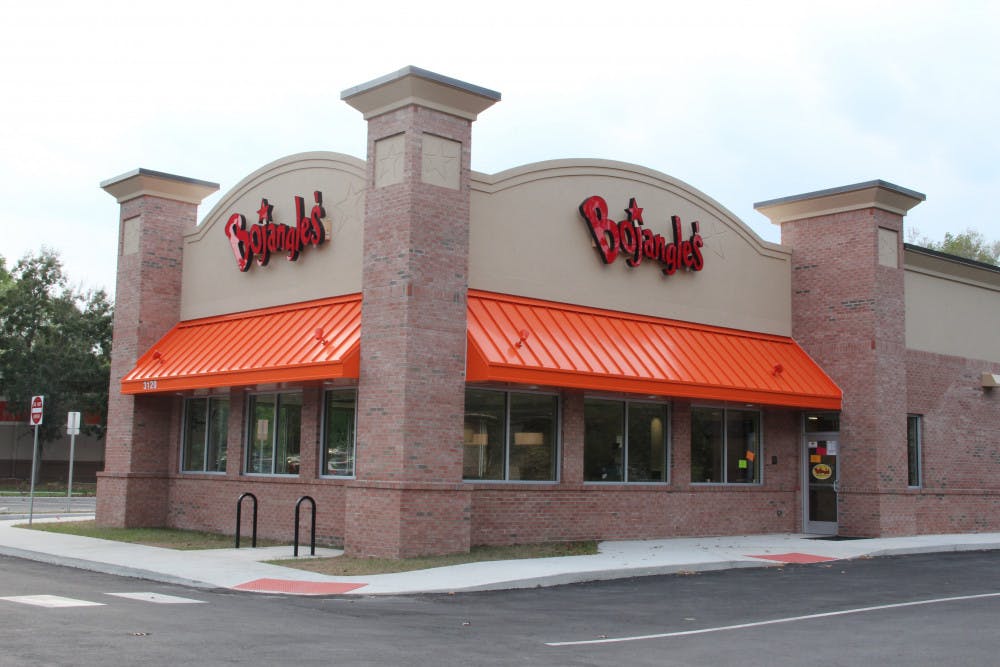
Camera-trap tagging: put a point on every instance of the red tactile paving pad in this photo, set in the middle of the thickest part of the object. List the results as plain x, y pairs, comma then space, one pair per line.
794, 558
297, 587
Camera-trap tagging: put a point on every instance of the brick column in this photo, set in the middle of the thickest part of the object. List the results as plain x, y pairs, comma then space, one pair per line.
408, 498
848, 312
156, 210
311, 426
572, 437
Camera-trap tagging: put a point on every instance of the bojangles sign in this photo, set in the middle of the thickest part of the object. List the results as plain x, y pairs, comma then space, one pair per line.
266, 237
631, 238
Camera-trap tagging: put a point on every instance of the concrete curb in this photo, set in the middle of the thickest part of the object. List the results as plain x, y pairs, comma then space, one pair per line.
566, 578
210, 570
104, 568
930, 549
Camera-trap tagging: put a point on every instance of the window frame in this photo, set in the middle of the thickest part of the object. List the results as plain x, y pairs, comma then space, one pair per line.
185, 414
918, 458
667, 445
758, 457
556, 444
250, 427
354, 436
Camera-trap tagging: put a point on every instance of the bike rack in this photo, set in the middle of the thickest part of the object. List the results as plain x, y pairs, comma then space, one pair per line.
312, 545
239, 515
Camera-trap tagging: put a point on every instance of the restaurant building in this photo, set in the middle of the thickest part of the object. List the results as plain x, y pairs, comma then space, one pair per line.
572, 349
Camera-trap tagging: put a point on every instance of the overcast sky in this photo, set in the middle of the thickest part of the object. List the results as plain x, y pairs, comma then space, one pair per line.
745, 101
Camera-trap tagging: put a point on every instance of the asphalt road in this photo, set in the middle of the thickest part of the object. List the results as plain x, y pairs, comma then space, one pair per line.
16, 507
914, 610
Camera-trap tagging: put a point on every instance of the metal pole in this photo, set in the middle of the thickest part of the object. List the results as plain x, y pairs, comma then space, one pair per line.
34, 464
69, 487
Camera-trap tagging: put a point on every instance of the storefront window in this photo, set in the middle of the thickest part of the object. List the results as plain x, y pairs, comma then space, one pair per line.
914, 428
510, 436
484, 442
624, 441
725, 446
533, 419
206, 427
274, 434
339, 420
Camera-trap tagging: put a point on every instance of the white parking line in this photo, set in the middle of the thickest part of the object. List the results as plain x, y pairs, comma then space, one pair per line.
790, 619
158, 598
51, 601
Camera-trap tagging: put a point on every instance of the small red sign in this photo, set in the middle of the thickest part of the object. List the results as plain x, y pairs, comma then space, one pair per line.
37, 407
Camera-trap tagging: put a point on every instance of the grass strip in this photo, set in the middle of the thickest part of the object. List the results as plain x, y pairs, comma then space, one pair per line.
344, 566
168, 538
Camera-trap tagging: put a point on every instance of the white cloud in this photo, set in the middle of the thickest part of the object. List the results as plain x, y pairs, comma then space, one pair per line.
745, 101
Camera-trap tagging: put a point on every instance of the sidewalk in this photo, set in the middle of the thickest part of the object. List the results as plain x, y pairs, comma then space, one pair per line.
242, 569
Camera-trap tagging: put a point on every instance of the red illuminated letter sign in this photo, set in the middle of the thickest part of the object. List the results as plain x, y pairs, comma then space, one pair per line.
265, 237
632, 239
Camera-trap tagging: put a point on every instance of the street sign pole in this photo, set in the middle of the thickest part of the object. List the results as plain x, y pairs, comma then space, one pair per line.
35, 419
34, 465
72, 428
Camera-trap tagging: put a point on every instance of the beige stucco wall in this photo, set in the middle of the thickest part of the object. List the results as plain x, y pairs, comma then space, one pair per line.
529, 239
952, 308
213, 285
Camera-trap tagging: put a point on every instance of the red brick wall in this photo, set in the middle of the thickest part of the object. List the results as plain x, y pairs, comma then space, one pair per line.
147, 305
208, 501
411, 393
431, 519
572, 437
570, 510
413, 311
488, 513
961, 452
619, 512
849, 315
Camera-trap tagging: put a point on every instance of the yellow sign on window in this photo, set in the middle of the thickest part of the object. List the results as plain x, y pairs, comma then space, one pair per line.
822, 471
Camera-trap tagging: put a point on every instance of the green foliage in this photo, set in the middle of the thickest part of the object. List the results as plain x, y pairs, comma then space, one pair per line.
54, 341
969, 244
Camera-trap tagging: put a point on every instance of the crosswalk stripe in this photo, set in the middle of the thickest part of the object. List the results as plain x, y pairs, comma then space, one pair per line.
158, 598
51, 601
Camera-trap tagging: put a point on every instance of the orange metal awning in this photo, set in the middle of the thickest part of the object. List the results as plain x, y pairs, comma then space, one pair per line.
527, 341
315, 340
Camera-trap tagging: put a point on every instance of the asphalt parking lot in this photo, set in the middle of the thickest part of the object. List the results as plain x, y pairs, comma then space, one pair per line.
928, 609
13, 507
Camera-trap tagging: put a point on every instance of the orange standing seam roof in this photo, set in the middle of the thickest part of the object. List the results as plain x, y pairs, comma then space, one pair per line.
528, 341
315, 340
510, 339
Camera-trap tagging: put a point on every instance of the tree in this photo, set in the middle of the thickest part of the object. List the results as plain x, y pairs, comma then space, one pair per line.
54, 341
969, 244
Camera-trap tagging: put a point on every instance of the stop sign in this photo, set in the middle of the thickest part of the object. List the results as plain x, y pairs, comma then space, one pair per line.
37, 403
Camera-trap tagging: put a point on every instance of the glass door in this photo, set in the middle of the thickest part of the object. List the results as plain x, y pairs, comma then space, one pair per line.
820, 450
